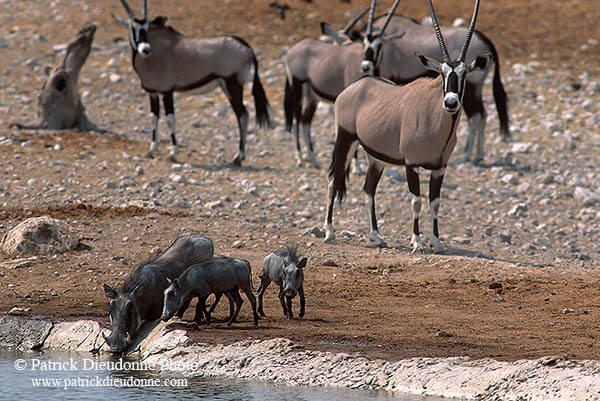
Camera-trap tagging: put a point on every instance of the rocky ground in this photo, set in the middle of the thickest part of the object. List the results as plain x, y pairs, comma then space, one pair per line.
520, 276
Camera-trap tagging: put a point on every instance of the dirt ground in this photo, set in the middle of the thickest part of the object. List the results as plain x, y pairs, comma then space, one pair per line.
475, 300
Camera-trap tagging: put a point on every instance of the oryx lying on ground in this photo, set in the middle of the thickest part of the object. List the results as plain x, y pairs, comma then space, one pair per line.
422, 39
413, 125
319, 71
166, 61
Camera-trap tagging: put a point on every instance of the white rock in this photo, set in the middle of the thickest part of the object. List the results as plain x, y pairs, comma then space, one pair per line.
589, 198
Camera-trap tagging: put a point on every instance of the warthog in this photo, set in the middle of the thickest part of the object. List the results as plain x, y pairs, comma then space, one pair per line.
220, 275
139, 301
287, 271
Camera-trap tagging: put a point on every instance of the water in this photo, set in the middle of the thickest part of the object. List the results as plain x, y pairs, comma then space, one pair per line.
78, 376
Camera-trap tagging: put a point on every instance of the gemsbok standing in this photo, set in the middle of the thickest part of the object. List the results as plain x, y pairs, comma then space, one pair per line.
319, 71
412, 125
421, 38
167, 62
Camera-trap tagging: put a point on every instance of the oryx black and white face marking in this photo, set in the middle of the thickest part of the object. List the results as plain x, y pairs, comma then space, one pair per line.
138, 37
454, 75
371, 53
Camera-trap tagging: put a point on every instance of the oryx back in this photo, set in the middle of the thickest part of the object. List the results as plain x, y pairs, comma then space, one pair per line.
181, 64
372, 108
326, 67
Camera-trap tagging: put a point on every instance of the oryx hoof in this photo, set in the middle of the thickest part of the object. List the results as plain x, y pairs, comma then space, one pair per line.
301, 314
417, 244
478, 161
315, 163
172, 159
150, 155
290, 316
378, 240
237, 162
329, 239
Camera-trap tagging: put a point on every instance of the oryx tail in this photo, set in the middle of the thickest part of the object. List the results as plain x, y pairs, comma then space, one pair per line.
500, 97
261, 104
292, 103
339, 169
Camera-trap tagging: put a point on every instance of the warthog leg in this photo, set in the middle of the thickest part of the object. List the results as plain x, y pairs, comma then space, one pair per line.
302, 301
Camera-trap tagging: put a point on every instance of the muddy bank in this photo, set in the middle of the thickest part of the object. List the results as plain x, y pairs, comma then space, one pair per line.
283, 361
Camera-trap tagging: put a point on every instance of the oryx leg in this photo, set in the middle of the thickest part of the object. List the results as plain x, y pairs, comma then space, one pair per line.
345, 145
306, 120
435, 187
374, 172
412, 176
476, 114
170, 116
234, 92
155, 110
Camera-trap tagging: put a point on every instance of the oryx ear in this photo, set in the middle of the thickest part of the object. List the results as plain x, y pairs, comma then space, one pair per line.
397, 35
481, 62
355, 35
332, 33
110, 292
159, 21
302, 263
169, 281
176, 283
120, 20
428, 62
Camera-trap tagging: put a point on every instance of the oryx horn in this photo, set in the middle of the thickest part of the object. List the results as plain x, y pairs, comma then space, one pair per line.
371, 17
389, 17
438, 33
128, 9
144, 10
353, 22
463, 52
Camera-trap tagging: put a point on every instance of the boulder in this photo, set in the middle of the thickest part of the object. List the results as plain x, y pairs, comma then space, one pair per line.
39, 236
23, 334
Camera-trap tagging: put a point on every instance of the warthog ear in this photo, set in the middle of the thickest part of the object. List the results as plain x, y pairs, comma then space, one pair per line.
302, 263
110, 292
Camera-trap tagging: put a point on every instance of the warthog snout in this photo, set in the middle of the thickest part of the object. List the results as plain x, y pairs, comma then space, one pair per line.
116, 344
289, 292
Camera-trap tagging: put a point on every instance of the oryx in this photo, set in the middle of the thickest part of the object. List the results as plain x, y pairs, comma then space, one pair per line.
345, 34
422, 38
412, 125
166, 61
319, 71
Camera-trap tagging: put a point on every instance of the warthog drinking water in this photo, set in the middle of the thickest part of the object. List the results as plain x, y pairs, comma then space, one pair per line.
287, 271
217, 276
139, 302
